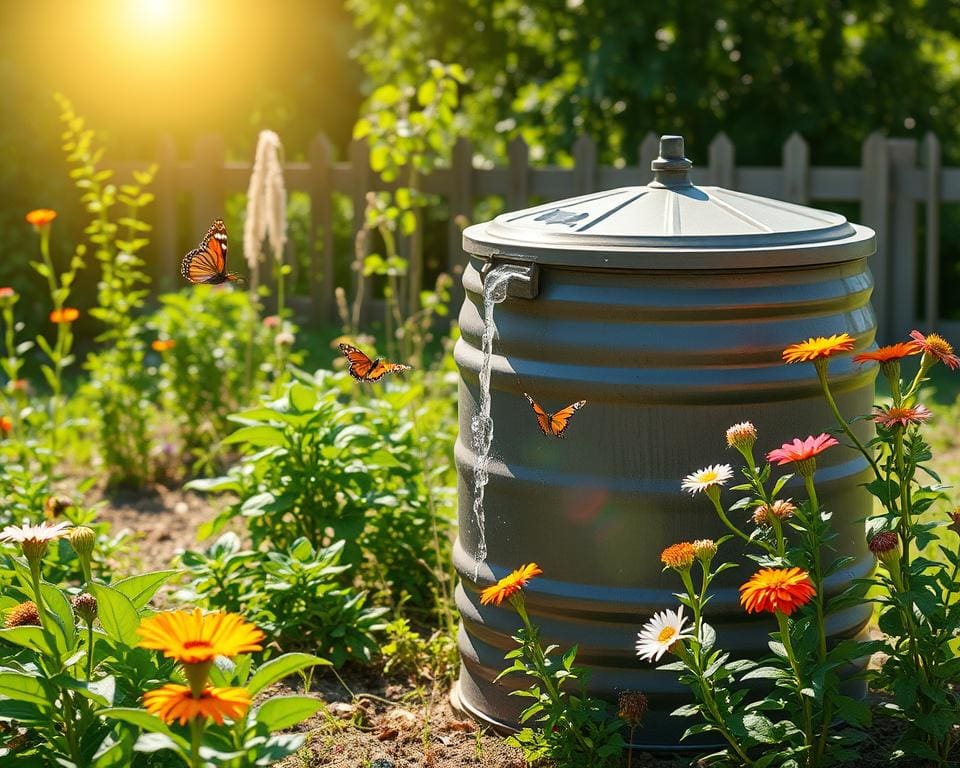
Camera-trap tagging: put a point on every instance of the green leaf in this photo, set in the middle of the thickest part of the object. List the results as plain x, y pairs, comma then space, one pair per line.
286, 711
117, 614
64, 627
143, 587
258, 437
281, 667
303, 398
146, 722
28, 637
101, 691
23, 687
379, 158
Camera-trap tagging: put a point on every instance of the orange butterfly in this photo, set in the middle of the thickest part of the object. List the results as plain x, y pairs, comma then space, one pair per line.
554, 423
362, 368
207, 263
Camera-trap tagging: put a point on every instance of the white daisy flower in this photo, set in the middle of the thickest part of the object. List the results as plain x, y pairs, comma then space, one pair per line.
706, 478
660, 633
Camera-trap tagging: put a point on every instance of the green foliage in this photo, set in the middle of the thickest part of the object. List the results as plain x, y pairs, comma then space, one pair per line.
202, 378
297, 597
433, 658
550, 71
573, 728
118, 388
318, 466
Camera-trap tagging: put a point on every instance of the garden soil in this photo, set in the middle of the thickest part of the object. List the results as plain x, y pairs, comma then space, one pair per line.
370, 721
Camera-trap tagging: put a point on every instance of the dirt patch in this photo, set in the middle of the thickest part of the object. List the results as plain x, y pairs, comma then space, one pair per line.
160, 522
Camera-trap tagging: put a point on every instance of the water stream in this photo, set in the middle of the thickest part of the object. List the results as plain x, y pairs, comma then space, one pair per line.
481, 425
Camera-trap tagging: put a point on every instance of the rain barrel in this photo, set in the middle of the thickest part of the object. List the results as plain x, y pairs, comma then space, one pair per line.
666, 307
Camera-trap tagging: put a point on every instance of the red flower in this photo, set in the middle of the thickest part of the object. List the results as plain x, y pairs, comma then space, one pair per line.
6, 424
801, 451
889, 353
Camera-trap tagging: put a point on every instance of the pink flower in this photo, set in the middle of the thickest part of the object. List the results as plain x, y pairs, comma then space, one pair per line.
890, 417
801, 451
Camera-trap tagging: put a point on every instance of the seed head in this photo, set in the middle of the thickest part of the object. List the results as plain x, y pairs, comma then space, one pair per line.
85, 606
23, 615
633, 706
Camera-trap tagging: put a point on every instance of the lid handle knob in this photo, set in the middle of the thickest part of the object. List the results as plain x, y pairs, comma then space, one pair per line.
671, 168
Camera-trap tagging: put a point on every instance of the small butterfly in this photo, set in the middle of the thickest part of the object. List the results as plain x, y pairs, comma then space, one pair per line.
207, 263
554, 423
362, 368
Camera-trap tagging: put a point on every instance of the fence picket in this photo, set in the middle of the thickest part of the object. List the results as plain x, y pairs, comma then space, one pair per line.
721, 157
321, 275
887, 184
903, 311
360, 186
585, 166
796, 163
518, 180
931, 159
874, 212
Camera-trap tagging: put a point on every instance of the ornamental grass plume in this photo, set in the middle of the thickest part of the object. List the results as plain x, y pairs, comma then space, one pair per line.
509, 585
661, 634
266, 216
777, 590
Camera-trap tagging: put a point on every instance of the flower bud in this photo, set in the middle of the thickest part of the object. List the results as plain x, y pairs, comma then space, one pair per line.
680, 556
742, 436
886, 546
83, 540
955, 520
705, 549
85, 606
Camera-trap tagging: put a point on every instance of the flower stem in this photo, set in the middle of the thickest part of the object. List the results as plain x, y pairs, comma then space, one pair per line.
825, 386
196, 736
804, 700
91, 639
726, 521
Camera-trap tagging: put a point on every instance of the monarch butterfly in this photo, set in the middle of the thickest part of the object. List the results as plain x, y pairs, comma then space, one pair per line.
207, 263
362, 368
554, 423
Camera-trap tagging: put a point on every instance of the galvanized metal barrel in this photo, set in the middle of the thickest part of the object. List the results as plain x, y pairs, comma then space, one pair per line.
666, 308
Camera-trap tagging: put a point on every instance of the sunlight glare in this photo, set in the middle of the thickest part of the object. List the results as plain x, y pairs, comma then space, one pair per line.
159, 12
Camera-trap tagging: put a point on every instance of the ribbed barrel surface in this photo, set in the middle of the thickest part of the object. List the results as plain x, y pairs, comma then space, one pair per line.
666, 360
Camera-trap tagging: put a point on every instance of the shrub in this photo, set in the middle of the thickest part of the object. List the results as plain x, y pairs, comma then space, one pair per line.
296, 596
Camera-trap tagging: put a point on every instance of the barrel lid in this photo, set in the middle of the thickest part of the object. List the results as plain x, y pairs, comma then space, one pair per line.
671, 224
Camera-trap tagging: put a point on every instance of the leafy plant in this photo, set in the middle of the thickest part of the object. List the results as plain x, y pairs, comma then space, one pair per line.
573, 728
200, 361
297, 596
316, 468
119, 387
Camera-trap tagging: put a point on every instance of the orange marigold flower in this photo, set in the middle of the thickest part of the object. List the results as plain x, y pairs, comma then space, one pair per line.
679, 556
937, 347
801, 451
65, 315
162, 345
776, 590
192, 637
6, 424
890, 417
889, 353
510, 584
175, 702
821, 346
41, 217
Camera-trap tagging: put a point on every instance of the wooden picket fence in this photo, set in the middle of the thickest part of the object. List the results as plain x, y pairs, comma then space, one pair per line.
894, 176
